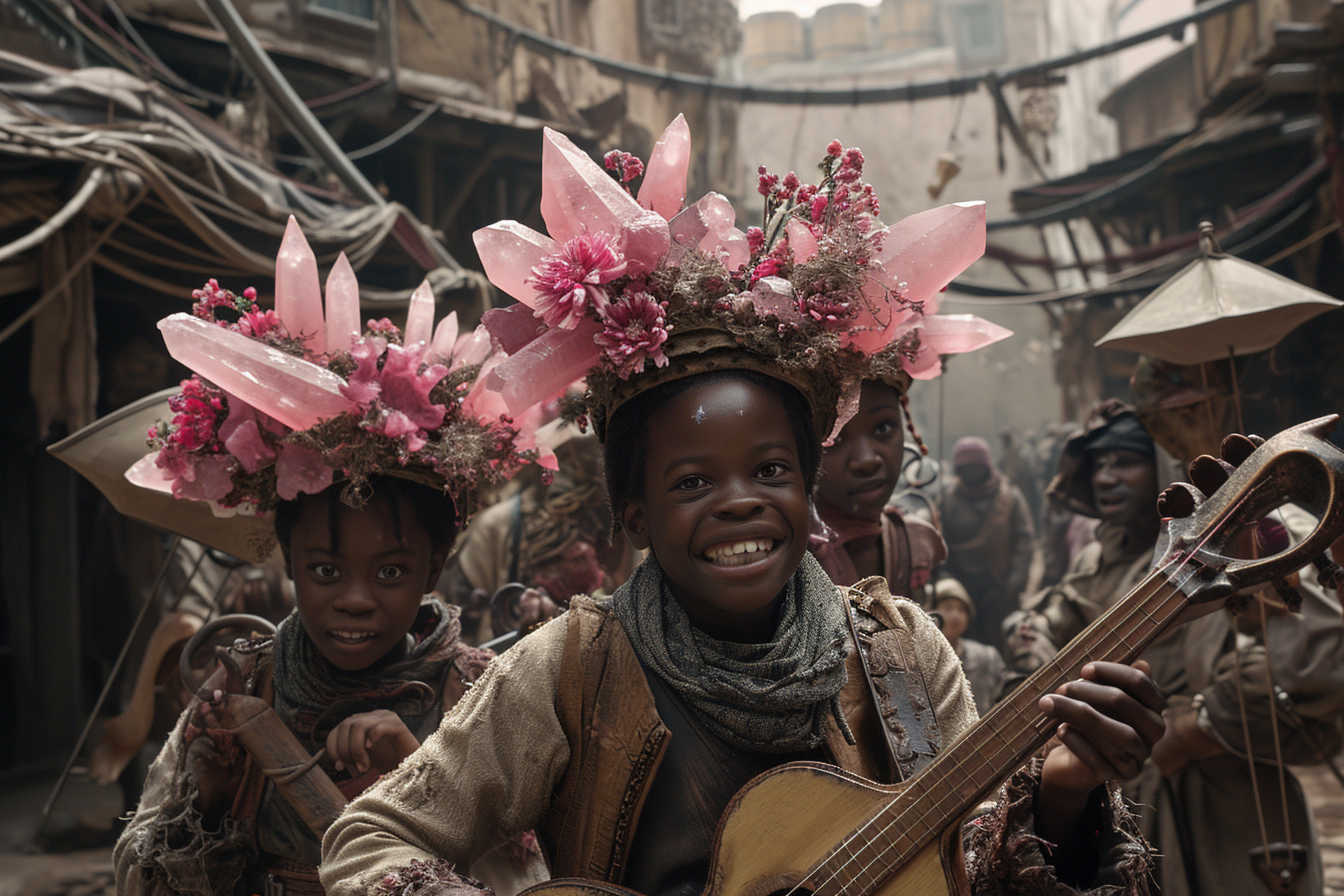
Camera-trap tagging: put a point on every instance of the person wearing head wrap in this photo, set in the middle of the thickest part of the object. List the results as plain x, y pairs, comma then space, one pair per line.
1196, 792
990, 536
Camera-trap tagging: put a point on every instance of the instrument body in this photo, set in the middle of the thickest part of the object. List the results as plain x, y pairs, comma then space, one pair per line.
824, 831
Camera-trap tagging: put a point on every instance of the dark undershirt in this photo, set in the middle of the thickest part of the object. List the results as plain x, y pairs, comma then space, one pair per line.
699, 774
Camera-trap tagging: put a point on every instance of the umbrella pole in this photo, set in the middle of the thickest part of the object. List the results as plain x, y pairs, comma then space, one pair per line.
1236, 390
111, 680
1208, 401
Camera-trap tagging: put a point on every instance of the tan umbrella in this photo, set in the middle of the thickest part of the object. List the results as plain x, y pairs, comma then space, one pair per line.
104, 450
1217, 307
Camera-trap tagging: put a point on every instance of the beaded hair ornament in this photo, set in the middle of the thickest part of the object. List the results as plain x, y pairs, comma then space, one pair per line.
289, 401
632, 289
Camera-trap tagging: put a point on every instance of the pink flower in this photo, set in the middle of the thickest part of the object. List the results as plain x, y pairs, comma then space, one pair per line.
635, 329
383, 327
624, 166
765, 181
258, 323
396, 396
755, 239
571, 280
834, 148
767, 268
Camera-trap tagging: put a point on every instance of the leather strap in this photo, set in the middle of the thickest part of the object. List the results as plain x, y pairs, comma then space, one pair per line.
892, 672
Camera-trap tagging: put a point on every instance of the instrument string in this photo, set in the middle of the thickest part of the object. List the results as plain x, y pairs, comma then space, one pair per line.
1011, 708
925, 784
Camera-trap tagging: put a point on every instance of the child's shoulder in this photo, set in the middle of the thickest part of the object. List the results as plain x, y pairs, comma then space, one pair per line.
872, 597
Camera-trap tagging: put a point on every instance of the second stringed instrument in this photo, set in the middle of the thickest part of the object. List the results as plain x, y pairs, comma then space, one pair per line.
810, 828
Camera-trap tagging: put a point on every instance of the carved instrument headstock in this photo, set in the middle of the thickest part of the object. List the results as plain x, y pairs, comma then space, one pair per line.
1296, 466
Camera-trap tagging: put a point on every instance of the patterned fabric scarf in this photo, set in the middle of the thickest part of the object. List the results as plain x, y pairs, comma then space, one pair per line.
771, 697
313, 696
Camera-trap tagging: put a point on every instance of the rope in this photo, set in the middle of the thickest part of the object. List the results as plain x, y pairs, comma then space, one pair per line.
58, 220
291, 773
74, 269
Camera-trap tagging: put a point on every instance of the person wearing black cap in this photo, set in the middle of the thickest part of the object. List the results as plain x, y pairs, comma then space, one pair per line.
1196, 793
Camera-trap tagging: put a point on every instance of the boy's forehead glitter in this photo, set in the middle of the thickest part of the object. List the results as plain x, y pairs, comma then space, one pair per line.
700, 414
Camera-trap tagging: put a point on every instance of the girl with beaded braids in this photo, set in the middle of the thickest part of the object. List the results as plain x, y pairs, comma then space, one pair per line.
366, 451
716, 363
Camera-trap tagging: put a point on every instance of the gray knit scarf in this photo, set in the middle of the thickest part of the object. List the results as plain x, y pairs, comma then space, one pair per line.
769, 698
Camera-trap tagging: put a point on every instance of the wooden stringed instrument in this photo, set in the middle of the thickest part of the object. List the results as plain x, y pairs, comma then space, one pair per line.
810, 828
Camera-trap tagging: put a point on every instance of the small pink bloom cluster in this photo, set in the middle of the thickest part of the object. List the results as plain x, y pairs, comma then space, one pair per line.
189, 448
624, 166
391, 386
634, 328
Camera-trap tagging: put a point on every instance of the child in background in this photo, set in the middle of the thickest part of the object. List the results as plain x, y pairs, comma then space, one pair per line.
982, 663
366, 503
863, 535
621, 730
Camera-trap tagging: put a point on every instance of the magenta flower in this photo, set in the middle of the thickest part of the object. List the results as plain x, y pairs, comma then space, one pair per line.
396, 396
634, 331
571, 280
258, 323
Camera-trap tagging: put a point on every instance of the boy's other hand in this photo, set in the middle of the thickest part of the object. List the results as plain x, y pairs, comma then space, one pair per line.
378, 739
1111, 720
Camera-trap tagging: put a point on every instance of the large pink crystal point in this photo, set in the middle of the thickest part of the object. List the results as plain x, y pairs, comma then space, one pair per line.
343, 325
296, 392
802, 241
146, 473
954, 334
925, 365
919, 256
420, 315
845, 409
723, 240
545, 366
509, 251
577, 196
445, 337
298, 295
664, 185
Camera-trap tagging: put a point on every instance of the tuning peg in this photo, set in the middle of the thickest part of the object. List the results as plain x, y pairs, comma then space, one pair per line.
1328, 572
1290, 596
1209, 473
1236, 448
1176, 502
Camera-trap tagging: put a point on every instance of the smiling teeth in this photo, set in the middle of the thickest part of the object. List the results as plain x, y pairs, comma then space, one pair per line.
739, 553
354, 637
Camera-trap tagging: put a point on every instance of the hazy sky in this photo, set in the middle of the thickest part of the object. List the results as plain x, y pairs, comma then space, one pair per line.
802, 7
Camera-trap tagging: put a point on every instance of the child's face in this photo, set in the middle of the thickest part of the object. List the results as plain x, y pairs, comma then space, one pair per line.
725, 506
357, 602
955, 617
859, 472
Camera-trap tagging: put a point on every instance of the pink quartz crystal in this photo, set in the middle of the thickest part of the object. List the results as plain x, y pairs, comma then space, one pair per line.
343, 326
146, 473
445, 337
801, 240
664, 186
774, 295
509, 251
919, 256
472, 348
954, 334
723, 240
296, 392
298, 297
545, 366
246, 444
577, 197
420, 315
512, 327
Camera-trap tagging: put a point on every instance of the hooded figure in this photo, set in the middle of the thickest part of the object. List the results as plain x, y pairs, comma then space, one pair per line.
990, 536
1196, 792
